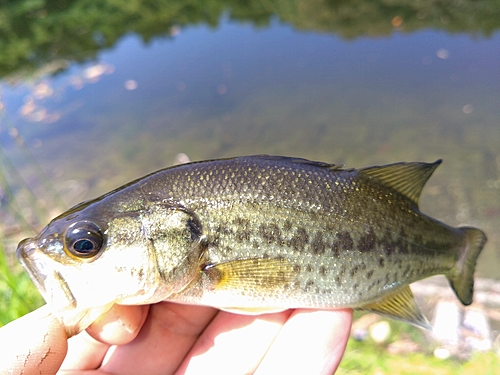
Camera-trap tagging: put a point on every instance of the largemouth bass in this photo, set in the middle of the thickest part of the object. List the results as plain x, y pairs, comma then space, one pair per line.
251, 235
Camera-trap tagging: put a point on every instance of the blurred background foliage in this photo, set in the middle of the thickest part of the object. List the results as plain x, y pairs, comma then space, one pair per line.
34, 33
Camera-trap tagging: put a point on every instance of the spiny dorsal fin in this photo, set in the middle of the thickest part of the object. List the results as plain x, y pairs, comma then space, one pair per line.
406, 178
288, 159
400, 306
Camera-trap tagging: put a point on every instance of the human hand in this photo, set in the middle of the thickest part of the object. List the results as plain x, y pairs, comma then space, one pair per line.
168, 338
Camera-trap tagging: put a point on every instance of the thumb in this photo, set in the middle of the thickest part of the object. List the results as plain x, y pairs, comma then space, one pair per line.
33, 344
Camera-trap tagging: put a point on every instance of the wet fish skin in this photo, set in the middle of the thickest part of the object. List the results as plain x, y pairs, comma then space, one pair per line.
347, 235
261, 233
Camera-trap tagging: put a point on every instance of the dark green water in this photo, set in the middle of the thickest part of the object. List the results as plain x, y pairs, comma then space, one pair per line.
102, 96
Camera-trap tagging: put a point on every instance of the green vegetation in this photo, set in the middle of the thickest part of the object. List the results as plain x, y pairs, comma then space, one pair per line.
18, 295
53, 33
368, 357
365, 358
22, 210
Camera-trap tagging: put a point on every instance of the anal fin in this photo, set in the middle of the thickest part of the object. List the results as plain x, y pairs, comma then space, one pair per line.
400, 306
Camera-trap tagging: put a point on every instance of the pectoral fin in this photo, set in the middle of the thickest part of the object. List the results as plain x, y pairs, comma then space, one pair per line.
400, 306
251, 274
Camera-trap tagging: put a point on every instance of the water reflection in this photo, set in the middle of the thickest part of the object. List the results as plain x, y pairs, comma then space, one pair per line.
33, 109
34, 34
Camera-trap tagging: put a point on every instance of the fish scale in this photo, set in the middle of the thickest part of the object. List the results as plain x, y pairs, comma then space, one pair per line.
257, 234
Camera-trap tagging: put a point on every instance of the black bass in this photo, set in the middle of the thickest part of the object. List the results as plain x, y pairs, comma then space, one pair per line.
252, 235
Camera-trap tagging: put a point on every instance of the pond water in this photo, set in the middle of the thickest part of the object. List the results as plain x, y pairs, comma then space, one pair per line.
94, 107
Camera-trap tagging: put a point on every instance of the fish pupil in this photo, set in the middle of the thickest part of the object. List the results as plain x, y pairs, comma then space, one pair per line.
83, 246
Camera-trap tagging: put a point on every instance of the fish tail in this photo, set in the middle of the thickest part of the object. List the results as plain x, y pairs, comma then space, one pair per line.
461, 276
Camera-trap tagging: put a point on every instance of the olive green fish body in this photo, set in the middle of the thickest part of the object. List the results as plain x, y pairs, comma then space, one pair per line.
350, 239
260, 233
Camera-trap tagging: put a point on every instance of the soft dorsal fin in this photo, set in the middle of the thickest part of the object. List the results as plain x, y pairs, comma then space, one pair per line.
406, 178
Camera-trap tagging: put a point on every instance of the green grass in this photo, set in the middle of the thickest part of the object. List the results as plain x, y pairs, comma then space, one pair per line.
18, 295
366, 358
369, 358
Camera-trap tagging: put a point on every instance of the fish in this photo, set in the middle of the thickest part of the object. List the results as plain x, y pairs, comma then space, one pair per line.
251, 235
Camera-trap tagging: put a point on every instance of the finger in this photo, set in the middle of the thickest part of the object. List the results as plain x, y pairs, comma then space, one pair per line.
168, 333
33, 344
84, 353
237, 343
310, 342
119, 325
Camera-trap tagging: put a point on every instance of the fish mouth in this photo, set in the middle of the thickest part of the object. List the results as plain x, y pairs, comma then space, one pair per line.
47, 279
52, 284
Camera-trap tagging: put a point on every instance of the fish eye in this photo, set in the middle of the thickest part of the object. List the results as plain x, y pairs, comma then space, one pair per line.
84, 239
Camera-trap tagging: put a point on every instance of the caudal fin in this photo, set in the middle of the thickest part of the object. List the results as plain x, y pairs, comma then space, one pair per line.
461, 276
